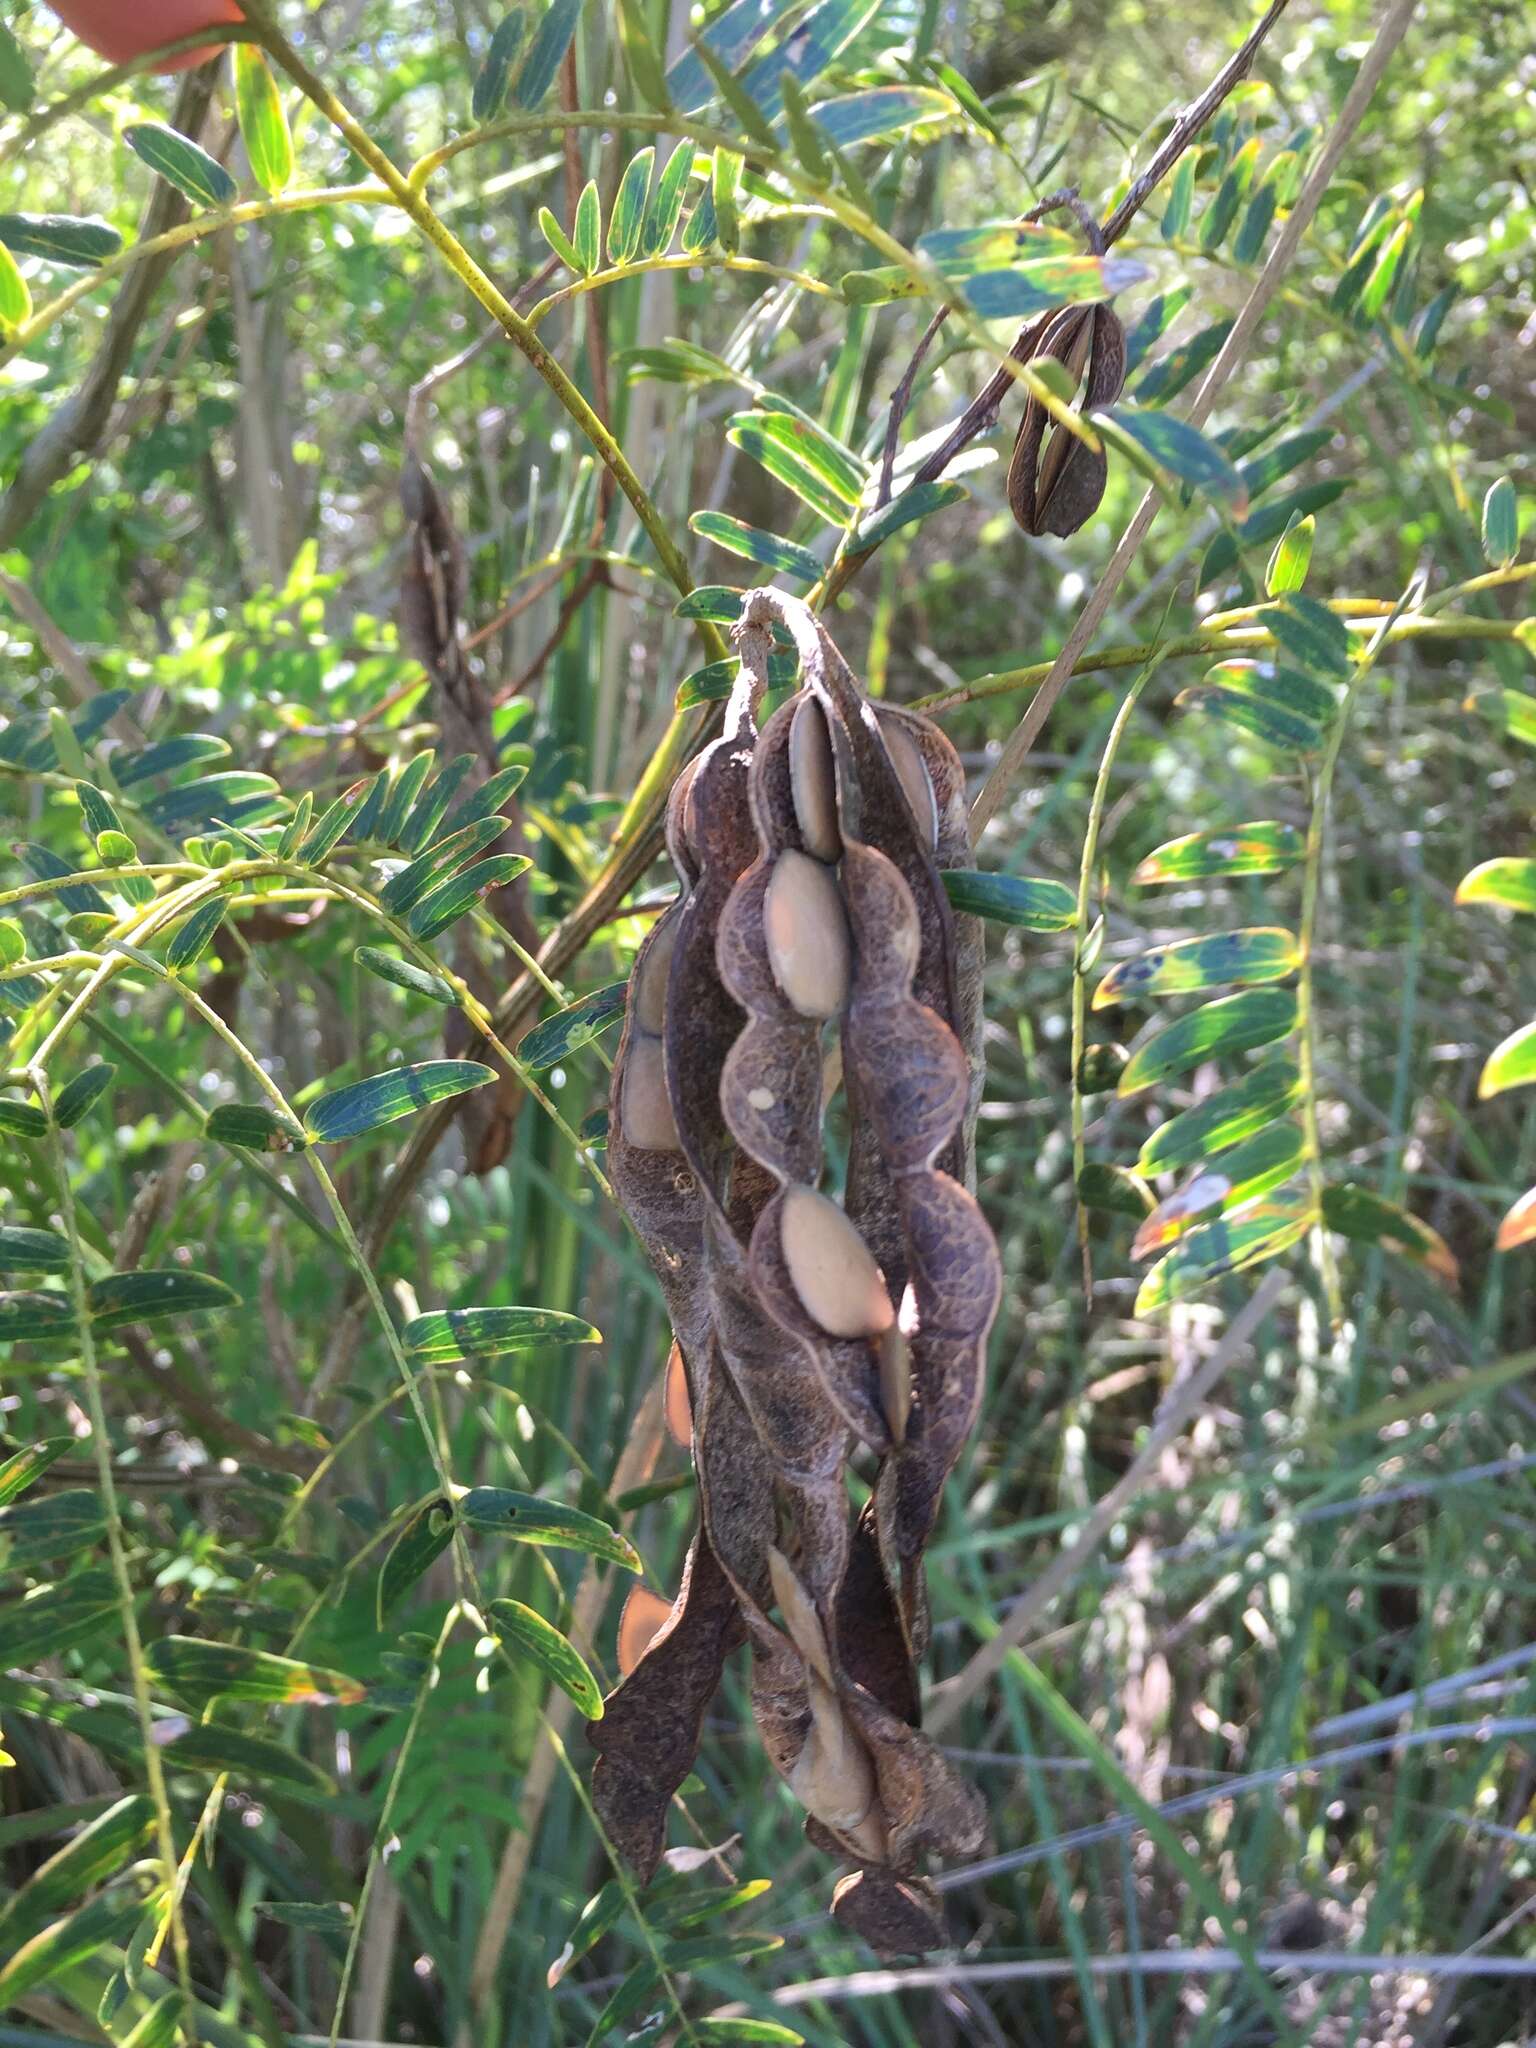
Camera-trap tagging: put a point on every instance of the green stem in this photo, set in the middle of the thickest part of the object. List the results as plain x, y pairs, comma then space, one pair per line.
101, 1452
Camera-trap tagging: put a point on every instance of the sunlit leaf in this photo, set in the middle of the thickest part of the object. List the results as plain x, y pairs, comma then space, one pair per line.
628, 216
548, 1523
22, 1119
1264, 847
666, 207
201, 1670
744, 2033
81, 1092
640, 55
253, 1128
1259, 953
50, 1619
17, 84
802, 455
446, 1334
556, 237
714, 682
1310, 634
1292, 557
556, 1037
885, 110
1501, 523
180, 162
534, 1637
1511, 1064
263, 123
1263, 1162
63, 1945
740, 539
384, 1098
454, 898
1010, 270
1030, 901
1222, 1119
192, 939
15, 294
1368, 1218
1231, 1024
1227, 1245
1519, 1225
1508, 882
1168, 376
1510, 711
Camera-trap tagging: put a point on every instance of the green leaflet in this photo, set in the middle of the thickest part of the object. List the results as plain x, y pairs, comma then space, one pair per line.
1367, 1218
180, 162
193, 938
65, 239
52, 1525
1223, 1119
452, 899
1511, 1064
145, 1296
81, 1093
1032, 902
1509, 882
263, 124
534, 1637
1229, 1025
1263, 1162
545, 1522
202, 1670
384, 1098
712, 683
407, 975
587, 230
556, 1037
628, 217
918, 501
1261, 848
1501, 523
740, 539
820, 472
1224, 1246
666, 206
97, 1853
447, 1334
495, 73
1160, 445
546, 51
414, 1551
49, 1619
253, 1128
1260, 953
18, 1471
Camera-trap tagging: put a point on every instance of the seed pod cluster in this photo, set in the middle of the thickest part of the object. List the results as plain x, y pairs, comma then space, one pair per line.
1055, 482
812, 944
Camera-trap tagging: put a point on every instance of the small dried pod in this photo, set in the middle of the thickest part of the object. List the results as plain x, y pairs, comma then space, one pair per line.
1055, 481
897, 1916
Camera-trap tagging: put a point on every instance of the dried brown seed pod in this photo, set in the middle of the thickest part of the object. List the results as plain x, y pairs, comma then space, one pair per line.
810, 854
1055, 481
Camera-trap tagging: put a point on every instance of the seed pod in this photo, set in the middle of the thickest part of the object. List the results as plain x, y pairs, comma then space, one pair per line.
810, 854
1055, 482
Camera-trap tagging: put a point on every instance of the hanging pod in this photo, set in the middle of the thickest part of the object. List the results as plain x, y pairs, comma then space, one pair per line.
812, 943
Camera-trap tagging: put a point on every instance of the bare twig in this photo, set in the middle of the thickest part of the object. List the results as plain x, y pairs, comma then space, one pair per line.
1233, 353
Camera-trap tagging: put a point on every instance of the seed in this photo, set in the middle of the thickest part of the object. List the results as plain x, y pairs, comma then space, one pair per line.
912, 774
639, 1624
896, 1382
799, 1613
839, 1285
806, 929
833, 1777
811, 781
676, 1405
645, 1108
651, 983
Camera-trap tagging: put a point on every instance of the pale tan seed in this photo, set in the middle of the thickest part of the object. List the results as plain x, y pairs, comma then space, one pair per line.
811, 781
675, 1402
830, 1266
833, 1777
647, 1113
651, 982
806, 929
912, 774
799, 1615
639, 1624
896, 1382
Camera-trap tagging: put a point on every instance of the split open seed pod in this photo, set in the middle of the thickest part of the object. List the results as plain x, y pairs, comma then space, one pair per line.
1055, 481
